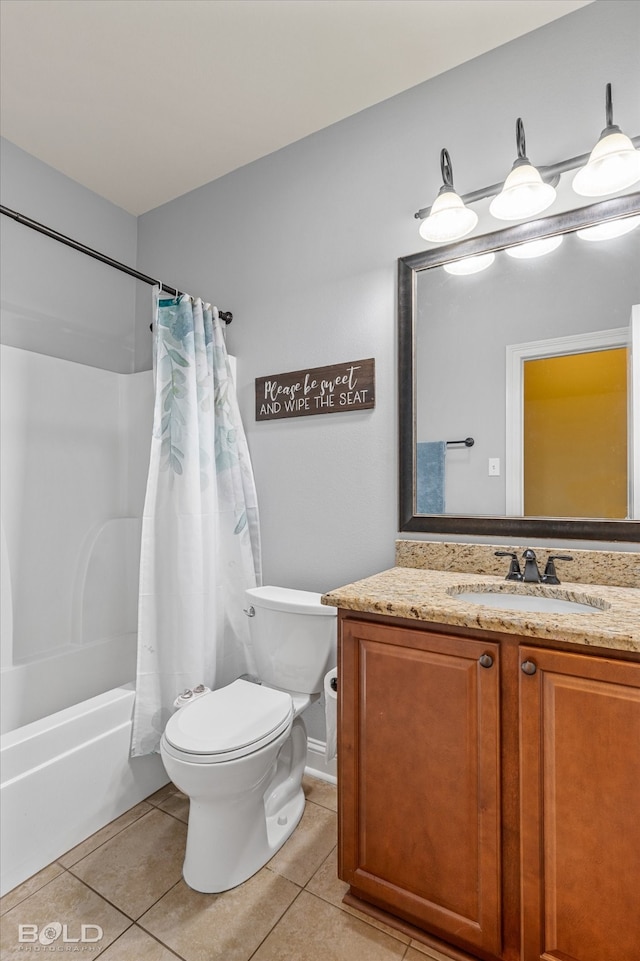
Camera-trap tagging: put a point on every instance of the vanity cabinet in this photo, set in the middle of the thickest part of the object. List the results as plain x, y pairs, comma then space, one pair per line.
419, 759
580, 804
491, 812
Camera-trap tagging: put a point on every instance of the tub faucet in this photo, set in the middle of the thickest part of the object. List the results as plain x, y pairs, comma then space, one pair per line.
531, 573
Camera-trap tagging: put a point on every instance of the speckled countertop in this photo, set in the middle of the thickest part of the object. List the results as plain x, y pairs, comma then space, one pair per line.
423, 595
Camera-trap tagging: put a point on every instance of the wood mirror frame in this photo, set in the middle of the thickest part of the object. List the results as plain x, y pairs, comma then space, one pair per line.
408, 269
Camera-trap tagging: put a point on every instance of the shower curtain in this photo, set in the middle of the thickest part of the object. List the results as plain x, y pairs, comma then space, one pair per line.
200, 530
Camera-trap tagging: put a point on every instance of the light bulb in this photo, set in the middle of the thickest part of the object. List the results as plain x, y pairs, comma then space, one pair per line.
613, 165
449, 219
523, 195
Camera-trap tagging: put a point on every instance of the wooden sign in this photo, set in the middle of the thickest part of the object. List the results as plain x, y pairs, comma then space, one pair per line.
317, 390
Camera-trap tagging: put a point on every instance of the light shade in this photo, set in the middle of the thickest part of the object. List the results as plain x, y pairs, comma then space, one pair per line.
609, 229
534, 248
524, 193
448, 219
469, 265
613, 165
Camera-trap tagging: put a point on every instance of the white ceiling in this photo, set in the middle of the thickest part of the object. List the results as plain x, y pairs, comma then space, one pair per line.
144, 100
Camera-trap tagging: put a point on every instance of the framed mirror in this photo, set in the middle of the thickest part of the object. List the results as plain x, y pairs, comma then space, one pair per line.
511, 379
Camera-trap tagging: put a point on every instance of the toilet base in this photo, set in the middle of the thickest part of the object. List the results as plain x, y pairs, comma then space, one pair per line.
214, 876
228, 843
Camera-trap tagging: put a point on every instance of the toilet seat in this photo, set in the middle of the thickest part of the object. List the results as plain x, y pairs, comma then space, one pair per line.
228, 723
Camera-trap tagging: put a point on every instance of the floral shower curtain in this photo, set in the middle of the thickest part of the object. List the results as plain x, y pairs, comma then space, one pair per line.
200, 530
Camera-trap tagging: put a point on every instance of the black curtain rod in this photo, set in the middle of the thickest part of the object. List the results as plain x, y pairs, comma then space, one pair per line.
225, 315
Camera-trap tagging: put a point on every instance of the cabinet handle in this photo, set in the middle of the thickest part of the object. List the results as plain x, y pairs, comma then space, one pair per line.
486, 660
528, 667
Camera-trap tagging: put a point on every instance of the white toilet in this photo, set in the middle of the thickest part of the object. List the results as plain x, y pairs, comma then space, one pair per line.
239, 752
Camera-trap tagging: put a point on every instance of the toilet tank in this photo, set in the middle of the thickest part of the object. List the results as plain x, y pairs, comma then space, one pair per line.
293, 637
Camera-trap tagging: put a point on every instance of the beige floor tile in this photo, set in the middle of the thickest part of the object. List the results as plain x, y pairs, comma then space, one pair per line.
320, 792
176, 804
29, 887
220, 927
313, 930
138, 865
104, 834
64, 901
326, 884
136, 945
308, 846
162, 794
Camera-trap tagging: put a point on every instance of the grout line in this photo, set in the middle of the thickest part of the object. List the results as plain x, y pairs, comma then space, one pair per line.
157, 900
323, 862
100, 895
26, 897
274, 926
157, 940
142, 815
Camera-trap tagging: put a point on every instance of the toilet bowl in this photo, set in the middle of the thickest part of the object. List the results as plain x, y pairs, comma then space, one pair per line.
239, 752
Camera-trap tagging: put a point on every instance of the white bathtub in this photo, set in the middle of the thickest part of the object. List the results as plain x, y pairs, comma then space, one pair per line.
66, 776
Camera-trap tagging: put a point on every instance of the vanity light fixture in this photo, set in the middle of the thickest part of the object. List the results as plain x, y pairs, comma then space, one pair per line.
524, 193
609, 229
534, 248
469, 265
614, 163
528, 190
449, 219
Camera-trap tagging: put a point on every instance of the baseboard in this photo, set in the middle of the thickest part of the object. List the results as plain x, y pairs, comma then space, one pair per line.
317, 764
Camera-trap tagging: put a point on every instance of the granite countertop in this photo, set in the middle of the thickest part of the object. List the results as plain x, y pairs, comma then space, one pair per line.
422, 595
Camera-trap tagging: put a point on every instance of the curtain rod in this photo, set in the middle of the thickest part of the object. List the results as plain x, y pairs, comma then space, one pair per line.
225, 315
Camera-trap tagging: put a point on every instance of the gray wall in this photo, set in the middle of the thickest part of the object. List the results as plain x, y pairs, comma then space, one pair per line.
55, 300
302, 246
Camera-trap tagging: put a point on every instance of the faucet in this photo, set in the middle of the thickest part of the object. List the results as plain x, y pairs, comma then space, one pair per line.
550, 575
514, 574
531, 573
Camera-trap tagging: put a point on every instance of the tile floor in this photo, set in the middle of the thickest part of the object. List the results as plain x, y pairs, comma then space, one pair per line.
127, 879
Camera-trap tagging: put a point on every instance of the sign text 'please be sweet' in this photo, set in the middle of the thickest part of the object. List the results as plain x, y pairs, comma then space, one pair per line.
317, 390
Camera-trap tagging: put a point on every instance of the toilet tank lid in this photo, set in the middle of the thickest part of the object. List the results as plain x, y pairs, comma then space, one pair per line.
288, 599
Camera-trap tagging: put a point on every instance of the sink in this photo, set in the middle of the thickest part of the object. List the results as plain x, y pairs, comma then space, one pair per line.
505, 601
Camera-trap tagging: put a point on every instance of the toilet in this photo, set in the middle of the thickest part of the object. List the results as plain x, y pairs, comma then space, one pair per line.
239, 752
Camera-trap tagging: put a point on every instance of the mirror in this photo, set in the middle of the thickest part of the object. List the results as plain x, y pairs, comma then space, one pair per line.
465, 347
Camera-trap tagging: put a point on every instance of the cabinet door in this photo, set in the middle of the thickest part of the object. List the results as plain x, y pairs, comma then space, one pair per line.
580, 807
419, 776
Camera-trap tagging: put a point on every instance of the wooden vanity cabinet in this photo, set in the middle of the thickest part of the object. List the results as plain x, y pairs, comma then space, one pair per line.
580, 807
494, 810
419, 760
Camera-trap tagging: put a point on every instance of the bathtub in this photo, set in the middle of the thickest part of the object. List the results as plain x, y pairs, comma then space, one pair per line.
67, 775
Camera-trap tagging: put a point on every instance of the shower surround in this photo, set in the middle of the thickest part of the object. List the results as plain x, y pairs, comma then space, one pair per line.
75, 447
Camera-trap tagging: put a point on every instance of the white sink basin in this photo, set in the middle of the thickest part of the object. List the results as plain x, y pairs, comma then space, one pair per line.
526, 602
